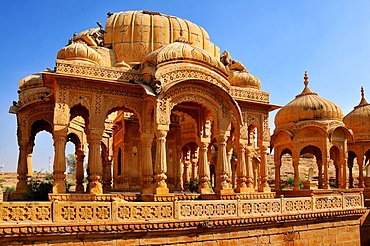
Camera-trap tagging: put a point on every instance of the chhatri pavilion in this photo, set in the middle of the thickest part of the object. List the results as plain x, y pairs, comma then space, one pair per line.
152, 107
151, 104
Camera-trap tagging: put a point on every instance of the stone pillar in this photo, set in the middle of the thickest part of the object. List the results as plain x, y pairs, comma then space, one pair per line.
29, 161
22, 167
204, 173
341, 177
95, 164
296, 173
229, 151
263, 185
250, 168
241, 186
181, 170
360, 162
107, 172
60, 139
350, 178
277, 160
344, 170
80, 156
187, 169
160, 161
319, 166
147, 170
125, 163
326, 176
223, 185
194, 170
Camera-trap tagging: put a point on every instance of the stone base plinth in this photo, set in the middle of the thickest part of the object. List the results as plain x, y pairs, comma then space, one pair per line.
158, 198
264, 189
92, 197
236, 196
245, 190
161, 191
309, 185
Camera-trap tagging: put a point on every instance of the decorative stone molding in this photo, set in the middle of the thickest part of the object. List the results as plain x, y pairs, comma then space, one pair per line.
246, 94
16, 212
172, 74
111, 209
98, 72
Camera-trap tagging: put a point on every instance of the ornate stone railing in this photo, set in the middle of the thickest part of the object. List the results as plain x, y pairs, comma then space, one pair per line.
19, 212
123, 211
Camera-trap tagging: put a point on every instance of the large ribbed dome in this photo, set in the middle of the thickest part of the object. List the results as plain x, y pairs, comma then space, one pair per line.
134, 34
358, 119
308, 106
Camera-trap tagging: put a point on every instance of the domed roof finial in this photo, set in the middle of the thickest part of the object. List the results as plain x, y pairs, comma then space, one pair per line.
306, 81
306, 90
363, 100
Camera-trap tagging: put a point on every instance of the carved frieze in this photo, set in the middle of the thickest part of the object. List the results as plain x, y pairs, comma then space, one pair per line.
239, 93
92, 71
181, 73
33, 96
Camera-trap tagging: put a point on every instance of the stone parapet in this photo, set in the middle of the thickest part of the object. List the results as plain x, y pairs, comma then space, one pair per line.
91, 71
240, 93
119, 210
320, 220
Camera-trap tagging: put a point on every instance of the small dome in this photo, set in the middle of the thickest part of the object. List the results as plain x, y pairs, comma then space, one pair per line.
358, 118
79, 52
31, 81
181, 49
135, 34
308, 106
244, 79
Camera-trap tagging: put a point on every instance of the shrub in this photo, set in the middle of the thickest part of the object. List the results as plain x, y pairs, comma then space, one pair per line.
290, 183
193, 185
8, 189
49, 176
38, 190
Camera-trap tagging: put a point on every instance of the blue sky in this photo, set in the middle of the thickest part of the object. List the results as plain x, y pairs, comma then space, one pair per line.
276, 41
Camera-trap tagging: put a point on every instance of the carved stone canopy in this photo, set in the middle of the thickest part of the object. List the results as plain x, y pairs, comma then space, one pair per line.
358, 118
308, 106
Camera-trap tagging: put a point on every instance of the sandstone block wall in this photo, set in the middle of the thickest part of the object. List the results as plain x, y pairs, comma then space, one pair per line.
303, 233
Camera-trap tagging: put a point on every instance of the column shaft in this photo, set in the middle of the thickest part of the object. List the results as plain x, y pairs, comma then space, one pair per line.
80, 156
223, 185
161, 163
204, 173
95, 163
22, 167
147, 170
60, 138
264, 187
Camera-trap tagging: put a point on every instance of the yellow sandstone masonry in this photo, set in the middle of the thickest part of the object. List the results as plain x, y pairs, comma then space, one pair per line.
176, 138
